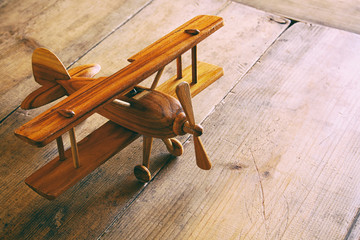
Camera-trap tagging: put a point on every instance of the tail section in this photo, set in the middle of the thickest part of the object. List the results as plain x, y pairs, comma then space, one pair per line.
49, 72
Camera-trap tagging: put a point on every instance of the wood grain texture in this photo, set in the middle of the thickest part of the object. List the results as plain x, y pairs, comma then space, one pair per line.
207, 74
339, 14
66, 27
284, 145
106, 194
152, 115
57, 176
84, 102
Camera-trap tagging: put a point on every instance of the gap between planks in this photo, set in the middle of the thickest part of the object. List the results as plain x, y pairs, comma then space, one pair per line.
91, 48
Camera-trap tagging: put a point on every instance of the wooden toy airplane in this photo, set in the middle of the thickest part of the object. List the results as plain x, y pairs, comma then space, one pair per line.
132, 110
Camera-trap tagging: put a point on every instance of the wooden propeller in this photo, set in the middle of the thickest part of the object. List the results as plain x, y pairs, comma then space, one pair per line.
184, 96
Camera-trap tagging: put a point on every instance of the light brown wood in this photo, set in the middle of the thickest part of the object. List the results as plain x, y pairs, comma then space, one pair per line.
174, 146
202, 159
107, 193
157, 78
89, 98
57, 176
184, 96
43, 95
147, 145
339, 14
87, 71
47, 68
207, 74
284, 145
59, 26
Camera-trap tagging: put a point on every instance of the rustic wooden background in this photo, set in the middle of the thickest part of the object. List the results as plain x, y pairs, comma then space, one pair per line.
282, 127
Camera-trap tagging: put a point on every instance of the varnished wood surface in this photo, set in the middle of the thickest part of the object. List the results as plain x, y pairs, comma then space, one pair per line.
57, 176
84, 102
312, 196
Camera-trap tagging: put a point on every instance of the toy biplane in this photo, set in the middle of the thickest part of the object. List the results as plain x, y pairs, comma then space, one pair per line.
132, 110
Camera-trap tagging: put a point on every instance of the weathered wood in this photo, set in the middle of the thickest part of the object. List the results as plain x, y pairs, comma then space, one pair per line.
60, 26
50, 125
107, 193
57, 176
284, 144
339, 14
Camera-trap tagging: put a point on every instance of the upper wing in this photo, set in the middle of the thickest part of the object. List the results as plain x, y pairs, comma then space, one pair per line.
84, 102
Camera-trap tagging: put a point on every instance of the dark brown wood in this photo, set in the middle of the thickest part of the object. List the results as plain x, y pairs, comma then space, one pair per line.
194, 64
61, 150
57, 176
50, 125
179, 67
192, 31
151, 114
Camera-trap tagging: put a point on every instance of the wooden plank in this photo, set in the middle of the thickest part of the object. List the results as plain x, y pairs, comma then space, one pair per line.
49, 125
106, 194
66, 27
339, 14
284, 145
207, 74
57, 176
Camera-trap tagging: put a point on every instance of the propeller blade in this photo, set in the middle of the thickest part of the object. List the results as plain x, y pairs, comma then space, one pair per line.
202, 159
47, 68
184, 96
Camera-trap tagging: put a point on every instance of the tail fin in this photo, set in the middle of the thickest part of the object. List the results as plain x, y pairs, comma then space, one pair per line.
47, 69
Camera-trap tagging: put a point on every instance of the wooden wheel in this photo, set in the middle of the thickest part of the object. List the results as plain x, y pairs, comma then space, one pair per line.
173, 146
177, 149
142, 173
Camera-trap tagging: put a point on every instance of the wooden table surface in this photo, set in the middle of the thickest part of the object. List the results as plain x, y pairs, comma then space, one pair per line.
281, 127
